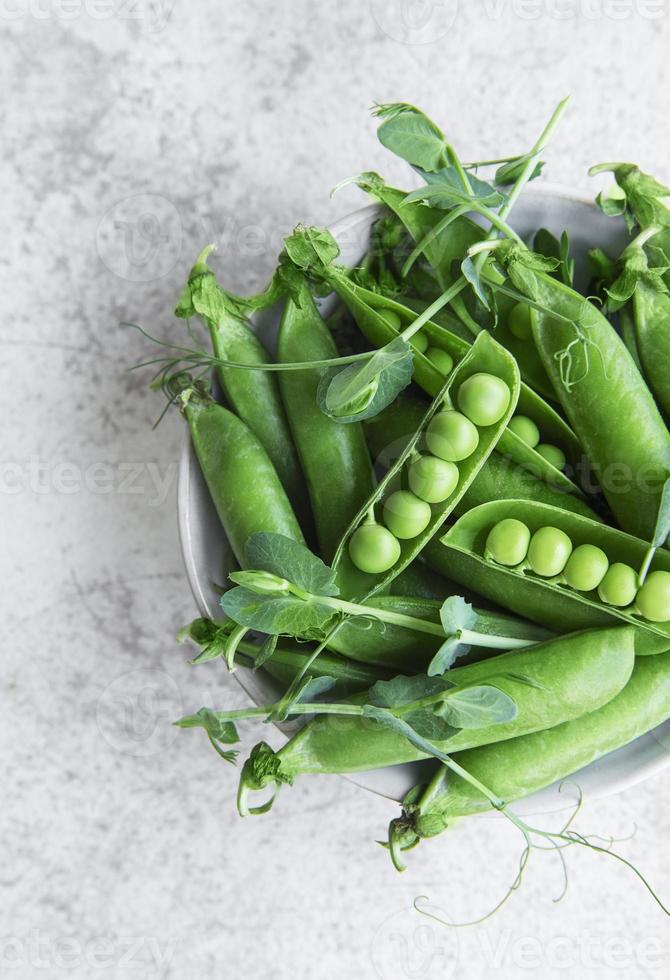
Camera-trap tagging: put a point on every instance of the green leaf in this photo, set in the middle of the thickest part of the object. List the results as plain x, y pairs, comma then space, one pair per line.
445, 189
411, 135
428, 724
220, 731
478, 707
446, 655
661, 530
457, 614
311, 248
403, 690
509, 173
471, 273
289, 559
359, 392
401, 727
267, 650
305, 618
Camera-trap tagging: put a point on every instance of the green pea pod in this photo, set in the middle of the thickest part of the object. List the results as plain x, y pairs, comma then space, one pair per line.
499, 478
253, 395
288, 660
570, 676
521, 766
410, 651
651, 316
367, 309
448, 247
602, 393
486, 356
334, 457
246, 491
461, 554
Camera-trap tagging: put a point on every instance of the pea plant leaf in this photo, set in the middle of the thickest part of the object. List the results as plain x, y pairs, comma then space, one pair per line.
639, 197
214, 639
311, 249
289, 559
411, 135
266, 652
220, 732
478, 707
361, 391
471, 273
401, 726
304, 618
510, 171
661, 531
445, 190
455, 615
403, 690
551, 247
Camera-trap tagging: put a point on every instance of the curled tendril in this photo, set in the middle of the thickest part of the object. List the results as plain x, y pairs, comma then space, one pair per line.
557, 842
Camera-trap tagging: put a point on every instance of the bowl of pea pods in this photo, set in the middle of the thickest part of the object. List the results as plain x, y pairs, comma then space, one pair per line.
424, 495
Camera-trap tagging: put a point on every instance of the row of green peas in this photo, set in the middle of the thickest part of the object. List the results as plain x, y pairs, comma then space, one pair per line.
451, 437
549, 553
521, 425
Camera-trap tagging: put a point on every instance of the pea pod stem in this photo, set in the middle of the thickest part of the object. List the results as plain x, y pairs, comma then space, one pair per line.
471, 637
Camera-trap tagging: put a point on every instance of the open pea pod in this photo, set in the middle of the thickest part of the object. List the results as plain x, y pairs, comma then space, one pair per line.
500, 478
367, 309
604, 397
460, 553
485, 356
448, 247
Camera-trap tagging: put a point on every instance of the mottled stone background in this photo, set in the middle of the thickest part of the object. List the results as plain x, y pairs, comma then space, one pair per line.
122, 851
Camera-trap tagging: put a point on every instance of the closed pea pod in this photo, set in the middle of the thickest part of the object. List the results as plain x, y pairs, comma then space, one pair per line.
243, 483
550, 602
597, 381
334, 456
253, 395
516, 768
574, 674
651, 317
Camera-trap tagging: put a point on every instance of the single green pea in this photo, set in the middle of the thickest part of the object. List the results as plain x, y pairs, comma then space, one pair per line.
525, 429
406, 515
484, 398
451, 436
619, 586
519, 321
442, 360
548, 551
419, 341
391, 318
552, 454
586, 567
508, 541
653, 598
432, 479
373, 549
